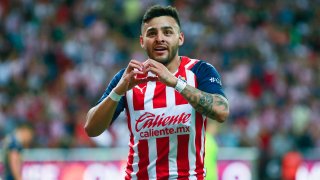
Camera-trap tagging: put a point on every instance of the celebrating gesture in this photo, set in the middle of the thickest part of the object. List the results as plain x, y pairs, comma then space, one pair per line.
167, 98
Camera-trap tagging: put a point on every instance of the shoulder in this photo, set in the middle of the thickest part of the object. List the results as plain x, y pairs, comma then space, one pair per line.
208, 78
202, 65
11, 143
202, 68
206, 72
196, 64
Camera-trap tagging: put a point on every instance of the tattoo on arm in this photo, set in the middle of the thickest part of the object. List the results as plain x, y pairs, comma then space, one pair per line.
212, 105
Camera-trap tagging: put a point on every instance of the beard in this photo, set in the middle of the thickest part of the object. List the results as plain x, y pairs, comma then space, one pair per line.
164, 59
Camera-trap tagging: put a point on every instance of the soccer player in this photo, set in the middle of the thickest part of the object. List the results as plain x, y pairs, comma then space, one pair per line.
12, 148
168, 99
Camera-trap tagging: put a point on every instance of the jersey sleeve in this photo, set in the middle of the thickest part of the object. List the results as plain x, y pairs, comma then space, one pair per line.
208, 78
113, 83
14, 145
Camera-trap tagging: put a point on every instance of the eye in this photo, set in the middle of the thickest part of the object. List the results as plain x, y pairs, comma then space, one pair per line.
151, 33
168, 32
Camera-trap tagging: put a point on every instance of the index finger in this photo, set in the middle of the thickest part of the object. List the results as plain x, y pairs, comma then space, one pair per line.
136, 61
150, 62
136, 64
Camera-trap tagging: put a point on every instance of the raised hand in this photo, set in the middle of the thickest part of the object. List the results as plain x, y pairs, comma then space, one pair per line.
129, 78
161, 71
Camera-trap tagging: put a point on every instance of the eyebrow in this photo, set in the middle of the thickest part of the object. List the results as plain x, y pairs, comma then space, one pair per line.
163, 27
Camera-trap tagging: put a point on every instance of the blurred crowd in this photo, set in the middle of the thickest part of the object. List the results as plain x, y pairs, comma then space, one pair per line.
57, 57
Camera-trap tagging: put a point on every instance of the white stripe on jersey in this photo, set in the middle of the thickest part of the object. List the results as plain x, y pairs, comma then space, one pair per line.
152, 143
193, 177
172, 98
192, 61
192, 148
148, 97
173, 148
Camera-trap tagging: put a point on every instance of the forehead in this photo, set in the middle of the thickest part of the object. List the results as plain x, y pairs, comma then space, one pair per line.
159, 22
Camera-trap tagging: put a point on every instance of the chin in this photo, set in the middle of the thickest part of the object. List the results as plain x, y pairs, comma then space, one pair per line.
161, 59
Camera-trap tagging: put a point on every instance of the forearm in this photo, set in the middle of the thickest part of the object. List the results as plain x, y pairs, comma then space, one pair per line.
213, 106
100, 117
15, 164
16, 171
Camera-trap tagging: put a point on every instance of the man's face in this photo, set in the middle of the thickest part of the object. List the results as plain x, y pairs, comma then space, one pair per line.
161, 38
27, 137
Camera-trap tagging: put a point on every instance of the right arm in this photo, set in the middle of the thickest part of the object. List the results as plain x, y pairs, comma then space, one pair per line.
15, 164
100, 116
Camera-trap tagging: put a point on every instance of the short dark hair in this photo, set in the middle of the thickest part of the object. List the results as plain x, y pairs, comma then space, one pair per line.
24, 125
157, 11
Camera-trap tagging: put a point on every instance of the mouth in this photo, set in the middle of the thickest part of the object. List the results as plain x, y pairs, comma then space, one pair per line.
160, 49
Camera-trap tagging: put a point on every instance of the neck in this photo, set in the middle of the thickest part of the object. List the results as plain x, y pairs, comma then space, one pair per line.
18, 136
173, 65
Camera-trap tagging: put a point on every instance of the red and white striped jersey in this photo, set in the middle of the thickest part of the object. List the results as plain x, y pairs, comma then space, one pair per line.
167, 135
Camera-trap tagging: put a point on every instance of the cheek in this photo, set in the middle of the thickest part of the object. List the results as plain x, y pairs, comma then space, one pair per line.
175, 44
148, 48
147, 45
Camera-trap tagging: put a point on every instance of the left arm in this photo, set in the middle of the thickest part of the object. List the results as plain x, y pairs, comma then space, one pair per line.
15, 164
214, 106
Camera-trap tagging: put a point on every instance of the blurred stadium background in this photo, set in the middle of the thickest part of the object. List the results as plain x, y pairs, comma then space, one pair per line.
57, 57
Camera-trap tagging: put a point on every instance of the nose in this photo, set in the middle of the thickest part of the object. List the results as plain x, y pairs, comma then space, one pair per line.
160, 37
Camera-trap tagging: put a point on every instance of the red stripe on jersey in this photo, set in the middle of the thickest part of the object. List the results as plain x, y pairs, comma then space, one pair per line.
198, 141
204, 143
141, 76
129, 168
184, 61
143, 152
162, 162
181, 73
139, 92
182, 156
160, 96
180, 99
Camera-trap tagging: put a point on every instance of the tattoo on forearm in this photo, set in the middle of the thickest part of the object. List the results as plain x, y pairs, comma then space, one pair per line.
205, 103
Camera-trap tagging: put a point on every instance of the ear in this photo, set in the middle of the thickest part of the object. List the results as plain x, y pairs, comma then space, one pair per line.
181, 39
141, 41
